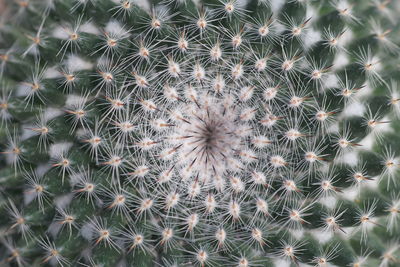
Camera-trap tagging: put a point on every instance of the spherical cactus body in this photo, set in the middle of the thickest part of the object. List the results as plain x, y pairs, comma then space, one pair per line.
199, 133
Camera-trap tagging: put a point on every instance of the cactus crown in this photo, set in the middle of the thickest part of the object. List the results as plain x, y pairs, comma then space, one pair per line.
199, 133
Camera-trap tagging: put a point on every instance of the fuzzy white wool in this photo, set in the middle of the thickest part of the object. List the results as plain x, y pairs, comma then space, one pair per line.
350, 158
23, 89
63, 201
26, 133
114, 28
60, 33
51, 73
74, 100
329, 202
242, 3
354, 109
323, 237
330, 81
54, 228
282, 263
87, 231
143, 4
80, 133
298, 234
351, 193
76, 63
279, 27
368, 141
312, 36
347, 37
51, 113
373, 183
89, 27
42, 169
276, 5
76, 178
29, 197
366, 91
341, 60
58, 149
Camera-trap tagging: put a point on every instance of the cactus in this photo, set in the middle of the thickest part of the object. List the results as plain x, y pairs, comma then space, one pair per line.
199, 133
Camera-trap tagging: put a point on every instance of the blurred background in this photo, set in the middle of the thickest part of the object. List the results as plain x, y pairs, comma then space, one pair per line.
2, 6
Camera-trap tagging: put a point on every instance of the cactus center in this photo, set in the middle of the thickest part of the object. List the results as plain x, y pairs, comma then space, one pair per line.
210, 138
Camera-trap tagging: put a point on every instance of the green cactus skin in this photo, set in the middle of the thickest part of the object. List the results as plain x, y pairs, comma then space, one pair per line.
206, 133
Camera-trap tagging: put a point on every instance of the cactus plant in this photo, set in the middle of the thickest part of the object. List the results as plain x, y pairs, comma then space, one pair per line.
199, 133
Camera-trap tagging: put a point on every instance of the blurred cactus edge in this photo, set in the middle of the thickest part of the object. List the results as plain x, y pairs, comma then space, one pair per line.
204, 133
